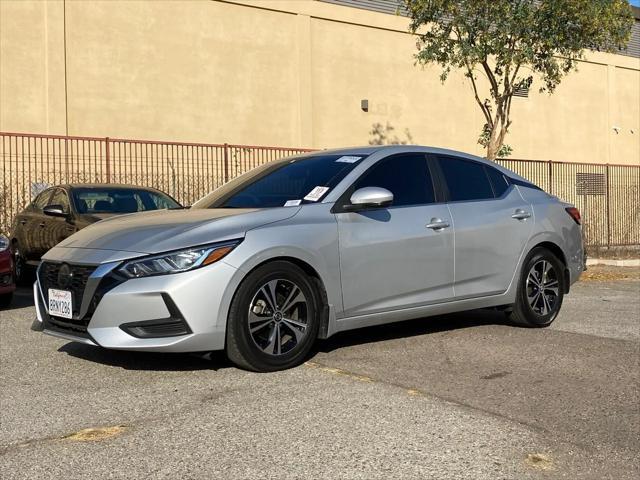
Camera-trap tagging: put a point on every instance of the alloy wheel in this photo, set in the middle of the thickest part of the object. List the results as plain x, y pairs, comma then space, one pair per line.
542, 288
278, 317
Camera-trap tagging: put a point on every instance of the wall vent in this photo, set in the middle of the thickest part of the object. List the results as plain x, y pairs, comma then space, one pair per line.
591, 184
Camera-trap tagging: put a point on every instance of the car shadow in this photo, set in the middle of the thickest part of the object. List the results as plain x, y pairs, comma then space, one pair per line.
412, 328
217, 360
22, 298
151, 361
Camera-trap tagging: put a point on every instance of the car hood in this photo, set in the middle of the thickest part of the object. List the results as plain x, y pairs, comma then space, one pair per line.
96, 217
165, 230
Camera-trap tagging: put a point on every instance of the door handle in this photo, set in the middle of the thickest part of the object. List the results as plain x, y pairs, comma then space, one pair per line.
437, 224
42, 224
23, 222
521, 214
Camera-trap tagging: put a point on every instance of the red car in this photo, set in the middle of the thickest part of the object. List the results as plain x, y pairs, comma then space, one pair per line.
7, 285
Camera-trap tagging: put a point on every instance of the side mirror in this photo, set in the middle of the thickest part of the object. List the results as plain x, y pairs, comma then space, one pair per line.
369, 198
54, 211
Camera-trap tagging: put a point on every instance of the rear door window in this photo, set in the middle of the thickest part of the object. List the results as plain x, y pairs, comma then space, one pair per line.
466, 180
498, 181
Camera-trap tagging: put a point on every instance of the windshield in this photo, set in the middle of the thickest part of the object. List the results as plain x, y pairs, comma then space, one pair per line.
119, 200
284, 183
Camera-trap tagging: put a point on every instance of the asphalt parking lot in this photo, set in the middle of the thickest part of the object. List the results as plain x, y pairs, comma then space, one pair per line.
458, 396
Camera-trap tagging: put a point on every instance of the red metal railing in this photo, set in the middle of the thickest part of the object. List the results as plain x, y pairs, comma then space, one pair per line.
188, 171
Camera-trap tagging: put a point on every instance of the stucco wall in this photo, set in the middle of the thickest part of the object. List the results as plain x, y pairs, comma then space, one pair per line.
32, 96
279, 72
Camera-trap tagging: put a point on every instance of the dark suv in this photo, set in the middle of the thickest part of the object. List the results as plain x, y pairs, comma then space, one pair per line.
61, 210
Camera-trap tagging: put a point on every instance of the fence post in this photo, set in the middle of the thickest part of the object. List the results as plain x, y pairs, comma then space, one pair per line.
608, 208
107, 159
551, 177
226, 162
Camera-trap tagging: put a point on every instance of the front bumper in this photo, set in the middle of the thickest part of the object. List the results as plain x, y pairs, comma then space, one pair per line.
199, 298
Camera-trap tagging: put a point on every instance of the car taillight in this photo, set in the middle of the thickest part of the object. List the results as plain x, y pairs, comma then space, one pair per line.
575, 214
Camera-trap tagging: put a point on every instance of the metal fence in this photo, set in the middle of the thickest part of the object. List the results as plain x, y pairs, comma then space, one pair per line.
186, 171
607, 195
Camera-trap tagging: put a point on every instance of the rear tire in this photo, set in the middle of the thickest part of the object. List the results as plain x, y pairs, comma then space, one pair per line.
274, 318
540, 290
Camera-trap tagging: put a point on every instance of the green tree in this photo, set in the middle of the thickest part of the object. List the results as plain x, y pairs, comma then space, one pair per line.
503, 45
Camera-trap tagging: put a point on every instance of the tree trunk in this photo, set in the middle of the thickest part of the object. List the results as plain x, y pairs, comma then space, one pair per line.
492, 151
496, 138
495, 142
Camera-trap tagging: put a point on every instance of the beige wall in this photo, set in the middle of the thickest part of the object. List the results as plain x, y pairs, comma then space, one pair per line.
32, 96
279, 72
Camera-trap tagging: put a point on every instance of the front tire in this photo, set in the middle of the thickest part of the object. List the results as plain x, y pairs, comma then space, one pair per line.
540, 290
274, 318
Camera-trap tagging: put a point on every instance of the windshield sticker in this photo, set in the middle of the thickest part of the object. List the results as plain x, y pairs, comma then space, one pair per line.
292, 203
317, 193
348, 159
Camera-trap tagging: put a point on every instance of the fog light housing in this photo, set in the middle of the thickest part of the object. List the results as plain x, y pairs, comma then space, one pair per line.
173, 326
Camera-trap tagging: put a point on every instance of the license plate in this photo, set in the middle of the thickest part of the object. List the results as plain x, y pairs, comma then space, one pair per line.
60, 303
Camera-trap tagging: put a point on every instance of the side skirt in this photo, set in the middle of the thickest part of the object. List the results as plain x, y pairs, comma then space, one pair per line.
372, 319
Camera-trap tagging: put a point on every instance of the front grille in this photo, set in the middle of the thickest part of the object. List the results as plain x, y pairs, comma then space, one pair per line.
79, 275
75, 326
69, 325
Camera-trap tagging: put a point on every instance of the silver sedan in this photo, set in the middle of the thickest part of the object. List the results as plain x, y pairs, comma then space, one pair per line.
308, 246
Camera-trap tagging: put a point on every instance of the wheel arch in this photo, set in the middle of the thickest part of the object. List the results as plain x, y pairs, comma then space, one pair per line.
553, 248
559, 253
311, 271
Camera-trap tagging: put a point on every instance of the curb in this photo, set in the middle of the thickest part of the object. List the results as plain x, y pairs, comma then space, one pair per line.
632, 262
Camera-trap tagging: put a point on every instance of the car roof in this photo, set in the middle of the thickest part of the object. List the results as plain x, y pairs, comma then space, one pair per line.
105, 185
395, 149
368, 150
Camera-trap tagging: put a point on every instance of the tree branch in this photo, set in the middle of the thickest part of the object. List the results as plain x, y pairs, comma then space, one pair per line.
483, 107
491, 77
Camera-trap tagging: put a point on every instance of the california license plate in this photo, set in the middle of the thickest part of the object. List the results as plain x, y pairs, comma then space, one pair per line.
60, 303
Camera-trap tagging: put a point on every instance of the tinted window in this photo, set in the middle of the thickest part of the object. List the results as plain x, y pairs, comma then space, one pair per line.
498, 181
465, 179
406, 176
41, 200
515, 181
288, 181
60, 198
119, 200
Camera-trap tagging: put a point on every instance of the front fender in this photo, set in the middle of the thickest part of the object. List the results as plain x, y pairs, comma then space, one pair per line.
313, 242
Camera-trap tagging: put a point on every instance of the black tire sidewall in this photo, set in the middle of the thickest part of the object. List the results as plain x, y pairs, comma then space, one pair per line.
238, 327
19, 266
532, 318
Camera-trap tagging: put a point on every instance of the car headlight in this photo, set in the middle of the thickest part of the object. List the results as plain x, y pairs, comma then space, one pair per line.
4, 243
177, 261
